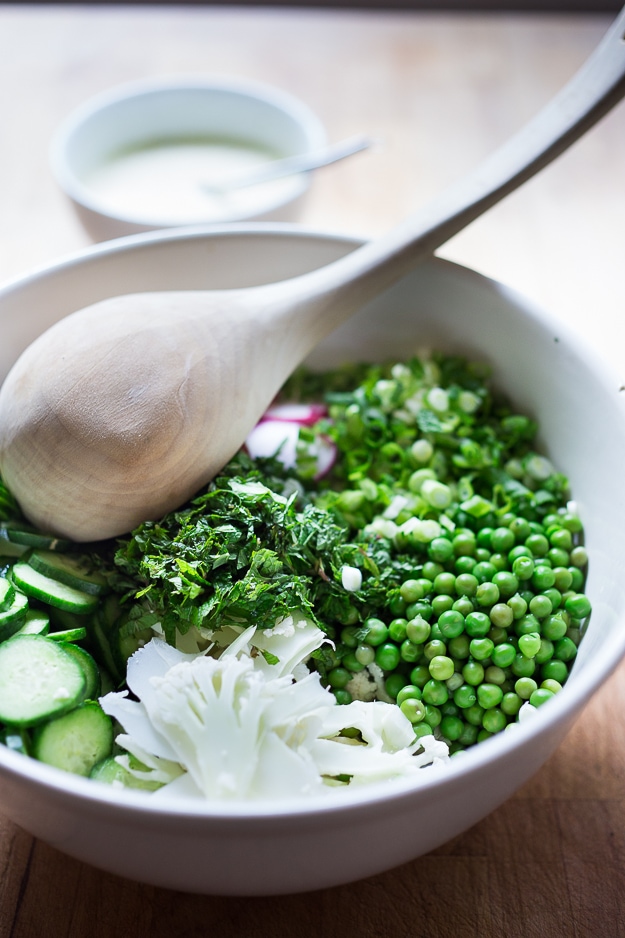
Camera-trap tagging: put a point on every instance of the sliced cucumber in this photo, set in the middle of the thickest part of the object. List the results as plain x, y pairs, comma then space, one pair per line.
35, 622
77, 741
72, 569
29, 537
90, 670
51, 591
111, 772
38, 680
69, 635
16, 741
13, 618
7, 594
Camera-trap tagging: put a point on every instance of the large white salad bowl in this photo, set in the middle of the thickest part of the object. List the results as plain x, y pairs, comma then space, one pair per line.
271, 848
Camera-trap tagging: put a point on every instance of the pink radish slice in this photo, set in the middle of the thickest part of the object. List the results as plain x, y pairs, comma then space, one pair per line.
306, 414
279, 438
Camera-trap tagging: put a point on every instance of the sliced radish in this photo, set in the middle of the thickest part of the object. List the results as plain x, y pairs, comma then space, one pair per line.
279, 438
306, 414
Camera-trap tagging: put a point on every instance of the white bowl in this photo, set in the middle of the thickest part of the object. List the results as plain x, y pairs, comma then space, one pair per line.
144, 156
262, 849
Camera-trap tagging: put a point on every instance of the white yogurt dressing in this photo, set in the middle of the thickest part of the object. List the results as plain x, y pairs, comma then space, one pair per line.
163, 183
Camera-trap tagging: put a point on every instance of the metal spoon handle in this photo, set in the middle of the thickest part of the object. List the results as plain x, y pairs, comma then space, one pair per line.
291, 165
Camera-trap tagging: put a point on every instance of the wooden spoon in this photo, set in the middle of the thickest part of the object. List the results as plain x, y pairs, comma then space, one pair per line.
122, 411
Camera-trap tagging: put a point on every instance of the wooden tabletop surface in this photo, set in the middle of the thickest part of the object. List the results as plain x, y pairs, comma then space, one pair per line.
438, 91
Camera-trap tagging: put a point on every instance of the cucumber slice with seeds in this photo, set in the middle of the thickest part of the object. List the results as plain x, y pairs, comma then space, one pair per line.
72, 569
38, 680
51, 591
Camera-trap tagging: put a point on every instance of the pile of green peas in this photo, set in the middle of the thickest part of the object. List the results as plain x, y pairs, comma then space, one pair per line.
490, 620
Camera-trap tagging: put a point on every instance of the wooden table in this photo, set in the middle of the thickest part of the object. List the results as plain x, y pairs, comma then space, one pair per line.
438, 91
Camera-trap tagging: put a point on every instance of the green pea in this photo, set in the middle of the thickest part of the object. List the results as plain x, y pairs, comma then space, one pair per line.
422, 729
537, 544
440, 550
364, 654
342, 696
417, 630
413, 709
500, 562
540, 696
376, 631
543, 578
555, 670
435, 692
487, 594
407, 691
431, 570
529, 623
397, 629
523, 567
433, 716
387, 656
501, 615
503, 655
511, 704
506, 582
489, 695
553, 627
494, 720
441, 667
397, 605
465, 696
495, 675
481, 648
473, 673
468, 737
464, 543
545, 652
523, 666
473, 715
477, 624
525, 687
352, 663
451, 727
454, 682
577, 579
466, 584
339, 678
394, 683
409, 651
420, 675
463, 605
518, 605
519, 551
349, 636
564, 649
442, 603
464, 564
578, 606
579, 556
451, 623
484, 572
497, 635
529, 644
411, 590
420, 609
554, 596
558, 558
483, 537
445, 583
554, 686
458, 647
563, 579
521, 529
541, 606
434, 648
502, 540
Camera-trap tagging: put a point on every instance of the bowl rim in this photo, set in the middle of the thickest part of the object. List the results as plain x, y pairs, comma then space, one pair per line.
62, 140
563, 708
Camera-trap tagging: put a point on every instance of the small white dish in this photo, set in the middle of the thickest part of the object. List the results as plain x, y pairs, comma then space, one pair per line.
153, 154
